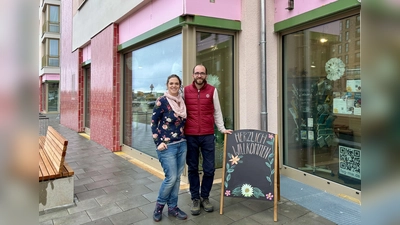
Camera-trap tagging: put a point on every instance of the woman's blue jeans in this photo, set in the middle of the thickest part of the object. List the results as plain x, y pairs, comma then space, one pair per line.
172, 161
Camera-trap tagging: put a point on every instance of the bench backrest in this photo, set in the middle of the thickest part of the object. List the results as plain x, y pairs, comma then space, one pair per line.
55, 148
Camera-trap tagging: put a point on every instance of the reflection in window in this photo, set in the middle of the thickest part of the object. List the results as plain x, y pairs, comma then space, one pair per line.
322, 106
215, 52
145, 76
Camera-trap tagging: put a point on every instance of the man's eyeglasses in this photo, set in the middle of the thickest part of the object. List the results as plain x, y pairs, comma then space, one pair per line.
200, 74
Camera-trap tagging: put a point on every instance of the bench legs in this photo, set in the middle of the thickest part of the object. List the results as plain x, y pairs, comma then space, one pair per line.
56, 193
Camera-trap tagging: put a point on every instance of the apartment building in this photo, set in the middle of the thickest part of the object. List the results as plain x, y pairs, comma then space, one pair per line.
49, 50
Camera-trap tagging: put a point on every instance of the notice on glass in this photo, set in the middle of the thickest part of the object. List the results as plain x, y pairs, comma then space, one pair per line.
310, 122
353, 85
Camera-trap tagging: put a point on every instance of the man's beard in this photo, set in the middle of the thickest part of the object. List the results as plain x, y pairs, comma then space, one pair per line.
199, 81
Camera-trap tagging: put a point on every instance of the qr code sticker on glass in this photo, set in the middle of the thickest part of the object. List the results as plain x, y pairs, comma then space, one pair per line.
350, 162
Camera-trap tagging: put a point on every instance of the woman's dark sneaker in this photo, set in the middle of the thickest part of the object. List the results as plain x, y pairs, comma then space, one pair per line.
157, 215
176, 212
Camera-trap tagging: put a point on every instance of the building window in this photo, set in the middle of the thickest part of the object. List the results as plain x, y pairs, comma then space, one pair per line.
357, 44
318, 135
358, 32
340, 25
340, 49
215, 52
347, 47
54, 19
347, 35
53, 57
145, 75
347, 24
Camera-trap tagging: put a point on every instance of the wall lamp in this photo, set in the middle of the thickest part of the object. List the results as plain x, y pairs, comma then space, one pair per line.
290, 5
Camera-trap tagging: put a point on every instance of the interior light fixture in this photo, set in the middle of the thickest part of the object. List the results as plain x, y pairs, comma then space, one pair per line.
323, 40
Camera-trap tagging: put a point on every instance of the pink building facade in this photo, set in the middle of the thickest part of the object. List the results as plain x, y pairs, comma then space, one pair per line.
114, 64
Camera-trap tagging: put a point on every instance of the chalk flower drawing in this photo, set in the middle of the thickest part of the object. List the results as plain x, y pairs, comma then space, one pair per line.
269, 196
227, 192
270, 159
234, 160
247, 190
230, 168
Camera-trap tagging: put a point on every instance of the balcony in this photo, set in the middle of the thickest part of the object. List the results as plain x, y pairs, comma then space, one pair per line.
52, 27
50, 61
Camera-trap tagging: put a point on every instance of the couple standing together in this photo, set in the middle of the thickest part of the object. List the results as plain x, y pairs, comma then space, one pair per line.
181, 129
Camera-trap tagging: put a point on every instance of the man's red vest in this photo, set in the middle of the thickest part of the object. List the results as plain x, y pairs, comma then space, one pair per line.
200, 109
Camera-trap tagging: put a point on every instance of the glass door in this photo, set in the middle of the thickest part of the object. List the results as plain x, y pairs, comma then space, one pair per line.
87, 100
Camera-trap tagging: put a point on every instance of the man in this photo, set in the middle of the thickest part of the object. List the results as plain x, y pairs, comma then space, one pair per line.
203, 110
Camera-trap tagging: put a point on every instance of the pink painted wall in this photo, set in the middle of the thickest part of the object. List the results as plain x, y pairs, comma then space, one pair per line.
50, 76
104, 112
158, 12
300, 6
86, 53
69, 74
225, 9
152, 15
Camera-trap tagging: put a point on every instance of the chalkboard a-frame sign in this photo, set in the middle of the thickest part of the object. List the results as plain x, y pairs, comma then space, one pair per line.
250, 167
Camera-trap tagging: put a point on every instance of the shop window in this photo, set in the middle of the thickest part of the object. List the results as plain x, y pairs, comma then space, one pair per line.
322, 105
215, 52
145, 75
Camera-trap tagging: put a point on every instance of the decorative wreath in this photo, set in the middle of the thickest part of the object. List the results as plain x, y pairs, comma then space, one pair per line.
334, 68
246, 190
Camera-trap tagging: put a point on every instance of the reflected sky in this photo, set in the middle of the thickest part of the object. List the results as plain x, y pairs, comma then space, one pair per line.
152, 64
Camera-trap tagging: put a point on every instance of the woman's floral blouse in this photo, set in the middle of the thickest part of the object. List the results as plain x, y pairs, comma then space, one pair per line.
166, 126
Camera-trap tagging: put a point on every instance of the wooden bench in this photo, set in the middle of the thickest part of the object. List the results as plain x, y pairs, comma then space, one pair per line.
55, 171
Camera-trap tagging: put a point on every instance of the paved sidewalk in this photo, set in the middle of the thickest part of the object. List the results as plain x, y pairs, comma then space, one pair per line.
111, 190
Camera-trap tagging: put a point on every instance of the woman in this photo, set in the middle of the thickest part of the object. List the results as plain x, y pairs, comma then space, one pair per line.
167, 122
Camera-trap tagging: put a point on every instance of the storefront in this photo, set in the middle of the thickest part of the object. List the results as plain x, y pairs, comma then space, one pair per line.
147, 66
321, 103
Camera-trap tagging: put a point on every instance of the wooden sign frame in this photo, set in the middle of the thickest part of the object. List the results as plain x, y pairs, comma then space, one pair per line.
276, 183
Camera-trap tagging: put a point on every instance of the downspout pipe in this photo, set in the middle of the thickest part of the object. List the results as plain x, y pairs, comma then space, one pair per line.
263, 113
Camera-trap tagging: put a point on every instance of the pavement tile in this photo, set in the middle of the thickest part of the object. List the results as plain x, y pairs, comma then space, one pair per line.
133, 202
83, 205
154, 186
291, 210
103, 211
90, 194
246, 221
266, 217
257, 205
79, 182
102, 221
136, 190
310, 219
88, 174
53, 215
77, 218
98, 184
212, 218
128, 217
116, 188
152, 196
237, 212
110, 198
80, 189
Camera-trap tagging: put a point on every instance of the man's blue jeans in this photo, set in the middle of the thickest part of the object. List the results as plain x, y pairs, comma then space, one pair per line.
172, 161
205, 144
